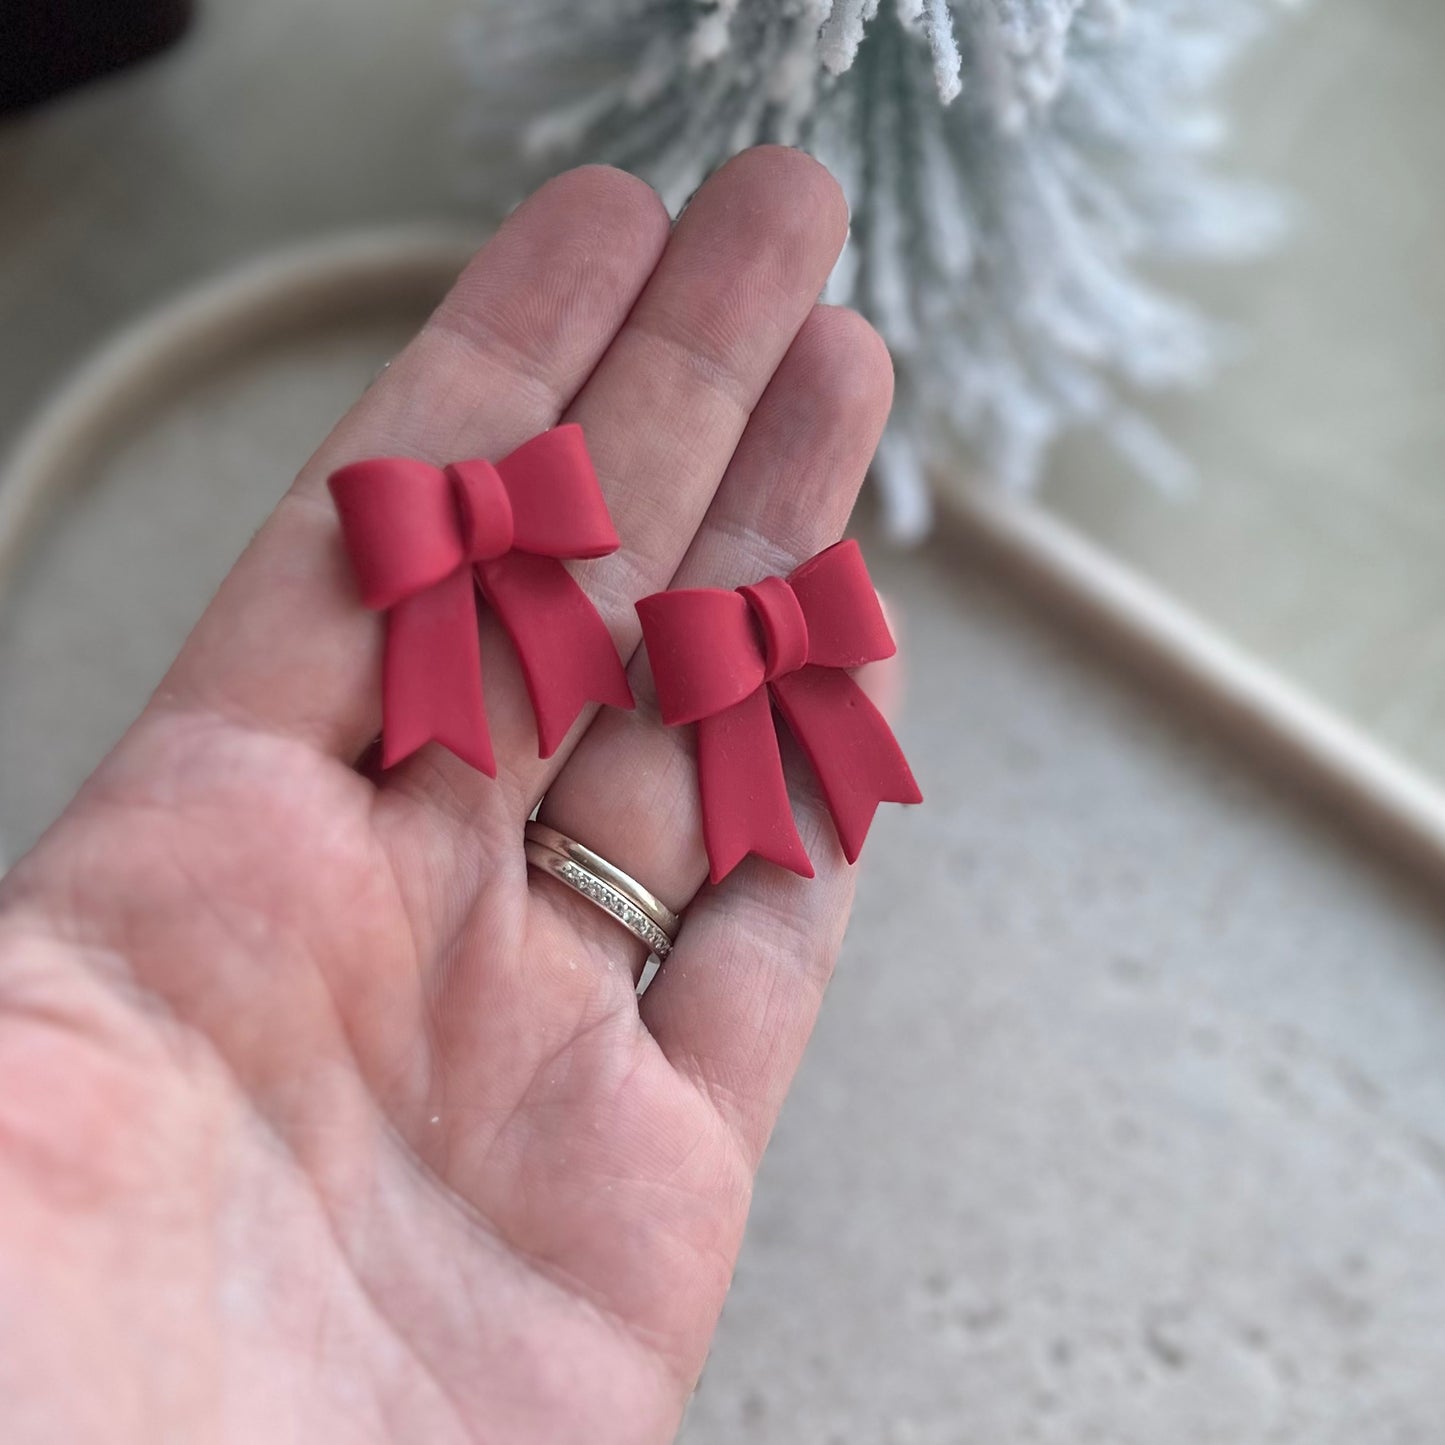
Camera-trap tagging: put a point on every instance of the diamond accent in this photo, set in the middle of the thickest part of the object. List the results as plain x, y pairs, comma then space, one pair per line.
617, 904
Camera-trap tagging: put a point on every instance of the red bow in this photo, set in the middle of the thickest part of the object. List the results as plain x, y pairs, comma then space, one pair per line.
422, 539
716, 655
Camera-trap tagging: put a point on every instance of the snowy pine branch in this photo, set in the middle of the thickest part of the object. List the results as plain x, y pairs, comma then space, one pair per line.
1015, 167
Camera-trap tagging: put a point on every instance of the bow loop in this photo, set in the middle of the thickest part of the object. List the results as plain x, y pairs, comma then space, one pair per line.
710, 649
399, 527
704, 649
846, 625
558, 509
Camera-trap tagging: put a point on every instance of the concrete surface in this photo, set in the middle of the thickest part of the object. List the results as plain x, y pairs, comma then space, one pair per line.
1122, 1124
1124, 1120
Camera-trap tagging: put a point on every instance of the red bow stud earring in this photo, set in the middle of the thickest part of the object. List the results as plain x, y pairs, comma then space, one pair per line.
718, 656
424, 540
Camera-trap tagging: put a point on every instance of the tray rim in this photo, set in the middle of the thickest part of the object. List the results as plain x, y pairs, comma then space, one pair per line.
1169, 647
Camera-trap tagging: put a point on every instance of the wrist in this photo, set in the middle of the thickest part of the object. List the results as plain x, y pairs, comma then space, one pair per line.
76, 1058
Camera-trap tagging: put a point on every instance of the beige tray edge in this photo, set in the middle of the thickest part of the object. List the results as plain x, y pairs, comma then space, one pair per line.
1397, 806
282, 290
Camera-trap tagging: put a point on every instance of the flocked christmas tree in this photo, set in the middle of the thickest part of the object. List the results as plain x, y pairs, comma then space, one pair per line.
1015, 167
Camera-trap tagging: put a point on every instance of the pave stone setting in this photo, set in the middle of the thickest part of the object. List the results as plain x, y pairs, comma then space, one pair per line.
620, 907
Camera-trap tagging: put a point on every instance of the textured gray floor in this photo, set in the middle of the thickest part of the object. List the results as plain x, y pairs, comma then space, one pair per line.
1124, 1121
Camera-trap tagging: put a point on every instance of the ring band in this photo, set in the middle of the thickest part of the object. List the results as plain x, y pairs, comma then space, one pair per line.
618, 894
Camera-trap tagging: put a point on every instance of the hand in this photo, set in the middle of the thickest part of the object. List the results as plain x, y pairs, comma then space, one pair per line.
320, 1118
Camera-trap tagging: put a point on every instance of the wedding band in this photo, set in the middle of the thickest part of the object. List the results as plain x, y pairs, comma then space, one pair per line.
641, 912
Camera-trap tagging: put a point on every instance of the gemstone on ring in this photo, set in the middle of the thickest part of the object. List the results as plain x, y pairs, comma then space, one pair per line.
603, 884
610, 899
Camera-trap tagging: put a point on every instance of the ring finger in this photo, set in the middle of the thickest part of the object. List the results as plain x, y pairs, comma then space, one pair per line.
629, 791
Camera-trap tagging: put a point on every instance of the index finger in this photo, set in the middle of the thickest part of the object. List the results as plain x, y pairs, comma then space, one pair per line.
285, 647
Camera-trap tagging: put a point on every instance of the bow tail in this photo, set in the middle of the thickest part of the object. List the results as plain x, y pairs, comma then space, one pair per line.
745, 806
567, 654
856, 757
432, 676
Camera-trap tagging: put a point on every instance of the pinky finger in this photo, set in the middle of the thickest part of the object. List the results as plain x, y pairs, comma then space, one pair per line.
737, 1000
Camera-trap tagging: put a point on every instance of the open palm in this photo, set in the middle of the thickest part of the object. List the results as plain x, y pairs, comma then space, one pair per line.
320, 1117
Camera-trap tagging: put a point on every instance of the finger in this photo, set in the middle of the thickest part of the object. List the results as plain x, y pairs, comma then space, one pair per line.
734, 1005
630, 790
735, 1013
285, 646
663, 413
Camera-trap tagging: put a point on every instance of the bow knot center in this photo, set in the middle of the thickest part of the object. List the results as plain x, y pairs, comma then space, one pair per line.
782, 623
484, 510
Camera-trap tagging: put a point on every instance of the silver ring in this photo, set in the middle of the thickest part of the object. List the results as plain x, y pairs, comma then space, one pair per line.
618, 894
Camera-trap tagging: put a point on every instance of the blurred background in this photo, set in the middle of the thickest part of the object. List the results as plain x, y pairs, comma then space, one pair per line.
1124, 1123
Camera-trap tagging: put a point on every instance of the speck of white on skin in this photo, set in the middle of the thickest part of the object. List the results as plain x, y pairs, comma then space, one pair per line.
436, 1118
